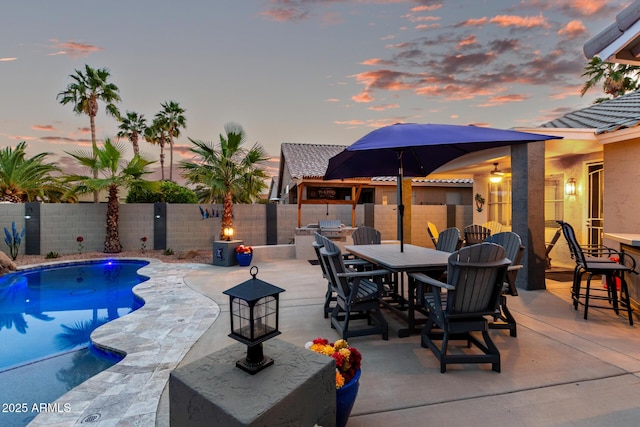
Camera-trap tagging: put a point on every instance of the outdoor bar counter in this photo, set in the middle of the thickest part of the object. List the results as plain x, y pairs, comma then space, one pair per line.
629, 244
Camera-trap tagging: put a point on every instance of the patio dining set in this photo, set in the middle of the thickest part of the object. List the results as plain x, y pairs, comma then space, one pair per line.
457, 291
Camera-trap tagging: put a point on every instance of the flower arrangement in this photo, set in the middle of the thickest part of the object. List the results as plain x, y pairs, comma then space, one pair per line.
242, 249
143, 243
80, 239
348, 359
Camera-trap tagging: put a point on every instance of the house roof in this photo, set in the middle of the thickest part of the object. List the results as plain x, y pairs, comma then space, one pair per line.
620, 41
607, 116
308, 160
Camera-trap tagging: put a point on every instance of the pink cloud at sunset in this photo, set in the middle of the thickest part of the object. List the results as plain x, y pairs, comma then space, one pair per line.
7, 59
504, 99
573, 29
74, 49
43, 127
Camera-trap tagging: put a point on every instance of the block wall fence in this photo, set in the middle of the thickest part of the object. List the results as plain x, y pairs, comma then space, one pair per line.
56, 226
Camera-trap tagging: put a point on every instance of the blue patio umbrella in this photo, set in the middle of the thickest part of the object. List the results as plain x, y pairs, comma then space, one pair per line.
412, 149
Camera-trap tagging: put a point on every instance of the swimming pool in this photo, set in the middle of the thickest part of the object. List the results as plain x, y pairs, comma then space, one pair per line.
46, 318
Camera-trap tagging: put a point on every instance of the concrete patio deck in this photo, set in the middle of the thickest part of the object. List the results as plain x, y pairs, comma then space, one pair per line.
561, 370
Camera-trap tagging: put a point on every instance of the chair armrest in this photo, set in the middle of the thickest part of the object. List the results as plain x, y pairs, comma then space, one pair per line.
515, 267
421, 277
364, 273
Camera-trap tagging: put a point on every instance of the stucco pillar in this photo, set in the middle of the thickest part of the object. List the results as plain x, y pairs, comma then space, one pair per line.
406, 200
527, 168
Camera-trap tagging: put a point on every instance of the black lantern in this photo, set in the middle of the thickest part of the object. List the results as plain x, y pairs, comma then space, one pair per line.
253, 306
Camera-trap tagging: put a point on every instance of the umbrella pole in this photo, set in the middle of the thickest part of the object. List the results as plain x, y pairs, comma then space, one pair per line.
400, 202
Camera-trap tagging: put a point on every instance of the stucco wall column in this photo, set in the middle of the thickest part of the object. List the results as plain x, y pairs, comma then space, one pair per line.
527, 168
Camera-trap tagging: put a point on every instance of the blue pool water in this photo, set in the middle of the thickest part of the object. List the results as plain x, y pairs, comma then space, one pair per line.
46, 318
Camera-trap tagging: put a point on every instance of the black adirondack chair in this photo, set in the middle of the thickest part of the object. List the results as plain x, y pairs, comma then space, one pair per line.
474, 234
365, 235
512, 245
329, 296
449, 240
475, 276
599, 260
357, 296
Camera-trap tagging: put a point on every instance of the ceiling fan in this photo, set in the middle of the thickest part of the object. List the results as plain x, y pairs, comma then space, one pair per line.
496, 176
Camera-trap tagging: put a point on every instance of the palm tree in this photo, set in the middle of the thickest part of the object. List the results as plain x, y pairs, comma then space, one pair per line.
84, 93
132, 126
116, 174
618, 78
156, 134
172, 119
24, 179
230, 173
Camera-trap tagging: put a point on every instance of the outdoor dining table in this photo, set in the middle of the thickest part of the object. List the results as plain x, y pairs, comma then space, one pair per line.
413, 259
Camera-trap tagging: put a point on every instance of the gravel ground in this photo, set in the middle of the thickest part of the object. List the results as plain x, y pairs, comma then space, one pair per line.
199, 257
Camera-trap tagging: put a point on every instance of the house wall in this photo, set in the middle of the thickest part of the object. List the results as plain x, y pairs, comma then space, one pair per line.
621, 195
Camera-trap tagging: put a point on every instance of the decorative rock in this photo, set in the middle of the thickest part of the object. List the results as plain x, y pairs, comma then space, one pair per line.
6, 264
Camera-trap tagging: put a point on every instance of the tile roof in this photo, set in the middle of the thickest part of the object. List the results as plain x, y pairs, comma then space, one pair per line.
457, 181
607, 116
624, 21
308, 160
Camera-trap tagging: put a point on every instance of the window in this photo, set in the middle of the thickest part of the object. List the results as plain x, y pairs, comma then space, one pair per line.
553, 200
499, 203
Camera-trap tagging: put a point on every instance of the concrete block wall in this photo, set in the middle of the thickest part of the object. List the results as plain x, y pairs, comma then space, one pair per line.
186, 230
420, 215
62, 223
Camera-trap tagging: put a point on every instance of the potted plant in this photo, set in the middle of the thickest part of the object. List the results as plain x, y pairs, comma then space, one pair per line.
244, 255
348, 362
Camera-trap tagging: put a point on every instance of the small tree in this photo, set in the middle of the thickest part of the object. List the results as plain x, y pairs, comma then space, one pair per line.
116, 173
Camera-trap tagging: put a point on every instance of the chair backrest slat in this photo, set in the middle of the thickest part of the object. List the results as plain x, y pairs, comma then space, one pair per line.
334, 264
511, 243
432, 230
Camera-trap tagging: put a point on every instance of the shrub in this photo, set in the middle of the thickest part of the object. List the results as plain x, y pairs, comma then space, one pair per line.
13, 239
168, 252
52, 254
170, 192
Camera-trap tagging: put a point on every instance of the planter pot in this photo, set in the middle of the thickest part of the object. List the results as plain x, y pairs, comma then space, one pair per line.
244, 260
346, 397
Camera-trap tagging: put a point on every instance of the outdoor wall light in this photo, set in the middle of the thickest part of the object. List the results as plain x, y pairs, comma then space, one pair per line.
254, 309
157, 215
227, 232
495, 176
570, 187
27, 213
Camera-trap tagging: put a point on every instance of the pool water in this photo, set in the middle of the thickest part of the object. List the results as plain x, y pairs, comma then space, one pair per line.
46, 319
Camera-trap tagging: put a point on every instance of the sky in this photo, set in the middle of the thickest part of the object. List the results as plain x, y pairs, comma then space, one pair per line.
297, 71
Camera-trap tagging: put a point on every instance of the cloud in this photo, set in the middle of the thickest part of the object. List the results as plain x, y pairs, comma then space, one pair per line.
74, 49
504, 99
332, 100
384, 107
43, 127
573, 30
7, 59
507, 21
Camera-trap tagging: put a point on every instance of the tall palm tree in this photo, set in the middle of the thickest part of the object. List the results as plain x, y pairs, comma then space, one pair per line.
172, 119
132, 126
24, 179
116, 173
618, 78
156, 134
231, 173
84, 93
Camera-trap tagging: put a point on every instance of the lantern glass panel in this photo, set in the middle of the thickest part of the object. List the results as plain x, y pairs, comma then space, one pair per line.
266, 319
241, 318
